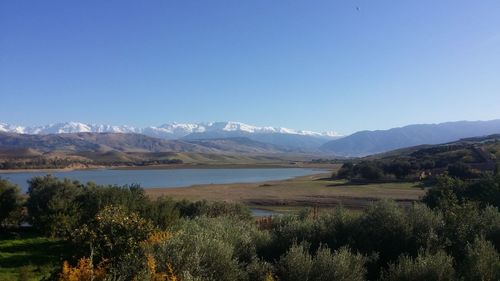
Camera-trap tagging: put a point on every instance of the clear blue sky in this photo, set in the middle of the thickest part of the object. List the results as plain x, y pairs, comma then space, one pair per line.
319, 65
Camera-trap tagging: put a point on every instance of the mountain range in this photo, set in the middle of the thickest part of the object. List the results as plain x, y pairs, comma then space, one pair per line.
372, 142
288, 139
130, 142
234, 138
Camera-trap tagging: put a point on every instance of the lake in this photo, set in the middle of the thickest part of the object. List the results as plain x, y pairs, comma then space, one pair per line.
168, 178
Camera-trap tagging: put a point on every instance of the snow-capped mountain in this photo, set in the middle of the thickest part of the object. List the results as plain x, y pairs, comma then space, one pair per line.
169, 131
288, 138
66, 128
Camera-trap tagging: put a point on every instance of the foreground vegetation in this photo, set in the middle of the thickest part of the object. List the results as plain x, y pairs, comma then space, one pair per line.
25, 255
118, 233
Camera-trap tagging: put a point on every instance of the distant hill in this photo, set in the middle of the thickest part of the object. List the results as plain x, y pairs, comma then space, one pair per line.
105, 142
371, 142
299, 140
481, 153
289, 142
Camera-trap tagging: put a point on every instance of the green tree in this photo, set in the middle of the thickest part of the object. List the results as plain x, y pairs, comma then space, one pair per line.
51, 205
482, 261
296, 264
11, 202
341, 265
400, 169
162, 212
115, 235
429, 267
94, 198
368, 170
209, 249
346, 171
461, 171
114, 232
384, 228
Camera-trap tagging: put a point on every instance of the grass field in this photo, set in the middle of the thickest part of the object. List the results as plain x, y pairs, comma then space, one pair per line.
313, 190
26, 256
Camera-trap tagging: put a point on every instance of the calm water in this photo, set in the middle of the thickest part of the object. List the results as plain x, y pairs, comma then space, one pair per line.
168, 178
262, 213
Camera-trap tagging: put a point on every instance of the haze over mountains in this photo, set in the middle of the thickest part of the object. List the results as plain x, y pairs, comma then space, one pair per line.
130, 142
371, 142
234, 137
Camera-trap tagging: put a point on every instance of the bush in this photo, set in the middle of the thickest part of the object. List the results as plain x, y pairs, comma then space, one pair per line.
116, 235
482, 262
11, 203
461, 171
51, 205
425, 226
95, 198
429, 267
368, 170
335, 229
490, 219
384, 228
401, 169
210, 248
162, 212
342, 265
190, 209
346, 171
296, 264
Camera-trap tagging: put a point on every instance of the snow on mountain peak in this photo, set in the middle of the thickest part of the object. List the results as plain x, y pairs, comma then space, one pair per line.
167, 131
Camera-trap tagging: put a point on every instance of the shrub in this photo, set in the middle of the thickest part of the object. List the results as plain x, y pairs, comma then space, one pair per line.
482, 262
11, 203
212, 209
384, 228
260, 270
94, 198
296, 264
210, 248
461, 171
289, 230
490, 217
346, 171
116, 235
400, 169
51, 205
162, 212
429, 267
342, 265
368, 170
83, 271
425, 226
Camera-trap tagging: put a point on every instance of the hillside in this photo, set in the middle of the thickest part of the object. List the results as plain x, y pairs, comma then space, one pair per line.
300, 140
62, 150
371, 142
481, 153
104, 142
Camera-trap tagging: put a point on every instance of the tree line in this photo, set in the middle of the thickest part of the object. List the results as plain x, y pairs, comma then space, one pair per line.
61, 163
119, 233
403, 170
